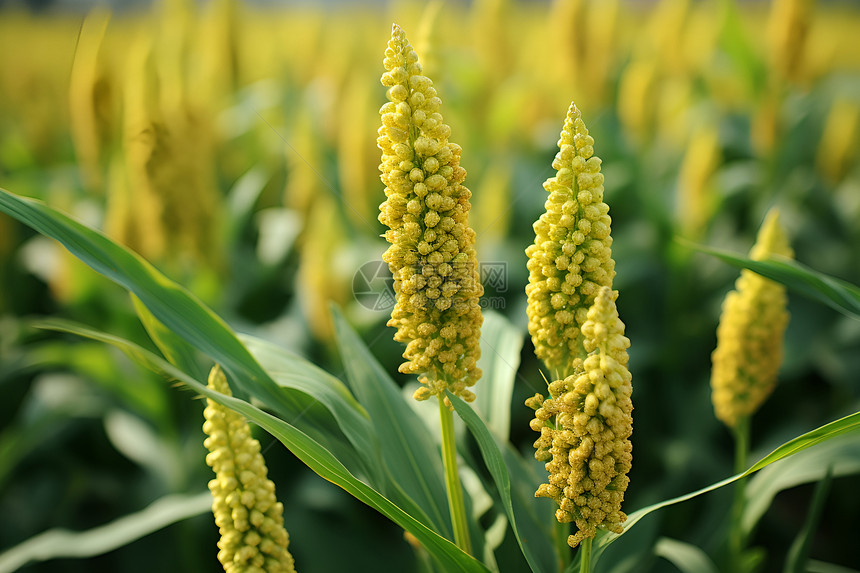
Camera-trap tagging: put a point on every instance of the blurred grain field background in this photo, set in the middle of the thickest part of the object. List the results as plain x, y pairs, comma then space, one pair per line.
234, 146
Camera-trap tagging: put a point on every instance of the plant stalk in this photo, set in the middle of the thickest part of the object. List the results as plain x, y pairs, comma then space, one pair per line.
736, 534
452, 480
561, 533
585, 562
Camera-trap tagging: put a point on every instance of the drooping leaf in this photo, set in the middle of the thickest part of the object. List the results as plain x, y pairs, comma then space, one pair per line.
311, 453
176, 309
411, 457
57, 543
292, 371
840, 455
848, 424
837, 294
174, 348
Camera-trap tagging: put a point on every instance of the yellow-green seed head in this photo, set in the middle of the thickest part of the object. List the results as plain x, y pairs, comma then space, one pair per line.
585, 428
571, 258
750, 334
432, 253
249, 517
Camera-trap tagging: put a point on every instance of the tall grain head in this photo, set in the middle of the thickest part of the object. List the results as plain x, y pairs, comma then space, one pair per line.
432, 253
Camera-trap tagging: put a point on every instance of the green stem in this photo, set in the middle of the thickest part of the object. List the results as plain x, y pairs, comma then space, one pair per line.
562, 532
585, 562
736, 534
452, 479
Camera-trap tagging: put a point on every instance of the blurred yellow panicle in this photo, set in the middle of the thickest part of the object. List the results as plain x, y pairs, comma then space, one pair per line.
788, 28
837, 152
571, 258
584, 47
172, 206
321, 270
432, 253
696, 200
490, 33
218, 53
750, 334
134, 215
304, 157
666, 30
492, 213
638, 98
89, 98
357, 156
247, 513
428, 37
585, 427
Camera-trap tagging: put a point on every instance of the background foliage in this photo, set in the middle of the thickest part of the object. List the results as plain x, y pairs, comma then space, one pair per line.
234, 148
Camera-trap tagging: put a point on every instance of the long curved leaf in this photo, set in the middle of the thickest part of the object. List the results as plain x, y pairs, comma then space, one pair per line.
311, 453
411, 457
291, 371
837, 294
57, 543
177, 309
501, 344
840, 455
537, 549
848, 424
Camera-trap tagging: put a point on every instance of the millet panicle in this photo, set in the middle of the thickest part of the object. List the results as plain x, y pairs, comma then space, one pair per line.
432, 254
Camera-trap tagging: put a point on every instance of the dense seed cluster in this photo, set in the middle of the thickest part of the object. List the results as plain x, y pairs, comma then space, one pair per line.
249, 517
571, 258
585, 427
432, 253
750, 334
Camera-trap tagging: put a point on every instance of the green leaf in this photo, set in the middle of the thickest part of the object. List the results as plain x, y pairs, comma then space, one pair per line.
841, 455
687, 558
178, 310
837, 294
58, 543
537, 548
848, 424
175, 349
289, 370
501, 344
410, 455
311, 453
798, 553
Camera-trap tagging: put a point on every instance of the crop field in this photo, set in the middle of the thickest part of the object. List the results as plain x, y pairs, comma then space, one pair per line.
563, 286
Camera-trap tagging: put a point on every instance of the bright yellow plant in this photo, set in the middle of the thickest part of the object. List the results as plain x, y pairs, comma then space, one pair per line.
247, 513
750, 334
432, 254
571, 258
585, 426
